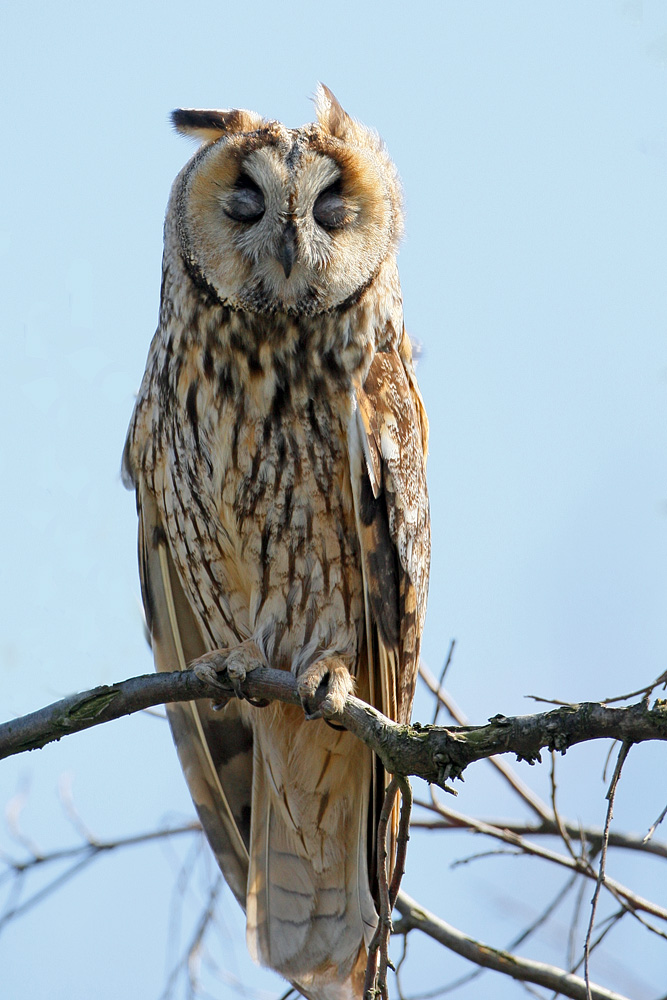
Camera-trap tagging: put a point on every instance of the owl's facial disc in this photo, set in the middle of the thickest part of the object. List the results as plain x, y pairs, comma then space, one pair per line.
286, 214
296, 224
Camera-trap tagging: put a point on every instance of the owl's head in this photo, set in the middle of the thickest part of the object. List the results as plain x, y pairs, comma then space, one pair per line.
289, 220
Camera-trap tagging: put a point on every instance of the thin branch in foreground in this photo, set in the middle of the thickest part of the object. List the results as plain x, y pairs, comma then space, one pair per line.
562, 829
522, 969
604, 928
611, 795
662, 679
399, 966
441, 681
81, 856
572, 964
402, 839
99, 847
190, 956
653, 828
374, 984
592, 835
13, 810
580, 865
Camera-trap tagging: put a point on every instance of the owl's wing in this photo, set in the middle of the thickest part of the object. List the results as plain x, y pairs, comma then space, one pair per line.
215, 748
388, 468
393, 524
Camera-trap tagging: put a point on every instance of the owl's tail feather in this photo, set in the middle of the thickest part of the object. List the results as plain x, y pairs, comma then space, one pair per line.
309, 908
301, 866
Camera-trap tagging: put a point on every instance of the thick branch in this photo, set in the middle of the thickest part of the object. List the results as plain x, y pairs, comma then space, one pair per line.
435, 753
444, 699
109, 702
566, 984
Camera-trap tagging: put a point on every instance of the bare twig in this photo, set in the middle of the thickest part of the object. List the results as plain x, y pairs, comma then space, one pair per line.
427, 751
189, 958
447, 665
375, 984
592, 835
562, 829
460, 862
647, 839
13, 810
574, 927
576, 864
84, 853
402, 838
607, 760
662, 679
542, 918
66, 796
548, 701
373, 987
399, 966
611, 795
81, 856
18, 909
99, 847
605, 926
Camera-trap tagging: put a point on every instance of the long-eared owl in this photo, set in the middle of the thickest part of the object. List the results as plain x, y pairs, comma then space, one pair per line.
277, 449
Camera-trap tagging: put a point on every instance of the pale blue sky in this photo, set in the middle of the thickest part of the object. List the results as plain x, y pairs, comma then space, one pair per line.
532, 143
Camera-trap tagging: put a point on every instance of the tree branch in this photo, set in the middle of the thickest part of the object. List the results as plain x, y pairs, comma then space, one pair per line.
444, 698
592, 835
576, 864
434, 753
416, 917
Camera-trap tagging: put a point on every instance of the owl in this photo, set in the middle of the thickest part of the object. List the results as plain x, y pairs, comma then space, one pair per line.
277, 449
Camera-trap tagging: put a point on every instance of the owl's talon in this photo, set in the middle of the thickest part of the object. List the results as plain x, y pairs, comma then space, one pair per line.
206, 670
235, 664
323, 688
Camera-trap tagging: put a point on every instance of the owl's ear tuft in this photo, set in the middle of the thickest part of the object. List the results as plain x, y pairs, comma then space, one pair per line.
208, 126
330, 114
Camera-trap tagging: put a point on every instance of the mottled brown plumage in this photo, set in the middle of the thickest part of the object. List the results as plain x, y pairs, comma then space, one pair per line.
278, 450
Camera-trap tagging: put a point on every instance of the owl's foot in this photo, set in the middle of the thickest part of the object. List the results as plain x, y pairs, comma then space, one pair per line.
208, 670
324, 686
236, 663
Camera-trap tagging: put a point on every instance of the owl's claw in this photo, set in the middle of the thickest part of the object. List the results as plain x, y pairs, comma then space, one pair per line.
323, 688
236, 663
207, 669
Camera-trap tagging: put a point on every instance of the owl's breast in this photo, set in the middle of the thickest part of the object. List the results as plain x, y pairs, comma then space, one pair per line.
262, 522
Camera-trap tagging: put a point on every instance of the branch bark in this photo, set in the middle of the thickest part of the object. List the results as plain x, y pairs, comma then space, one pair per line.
434, 753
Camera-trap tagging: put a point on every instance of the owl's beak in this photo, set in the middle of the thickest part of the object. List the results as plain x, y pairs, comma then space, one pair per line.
287, 251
